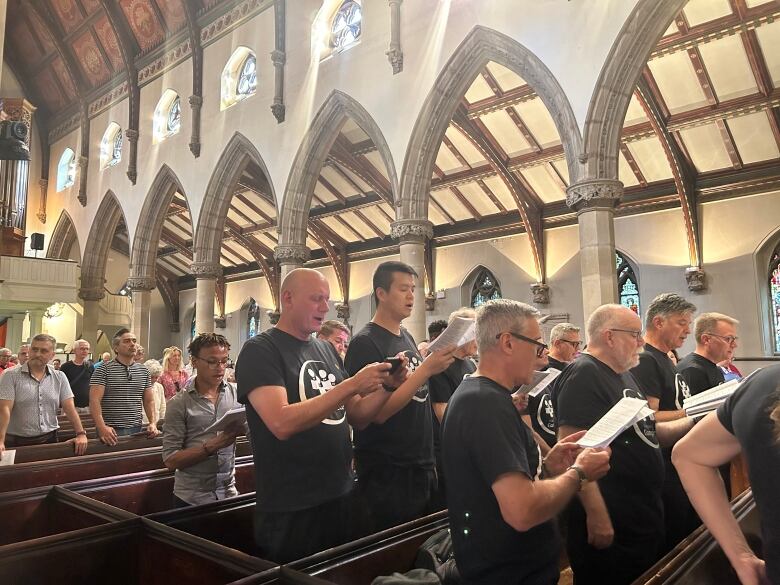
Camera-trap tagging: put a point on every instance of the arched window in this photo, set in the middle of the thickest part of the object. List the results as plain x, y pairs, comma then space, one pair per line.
774, 300
66, 170
239, 77
628, 285
347, 25
111, 146
252, 319
486, 288
167, 116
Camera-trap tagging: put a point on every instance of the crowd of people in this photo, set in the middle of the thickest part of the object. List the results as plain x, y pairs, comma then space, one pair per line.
352, 434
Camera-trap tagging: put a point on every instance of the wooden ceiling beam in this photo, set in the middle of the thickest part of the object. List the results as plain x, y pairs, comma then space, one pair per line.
524, 93
440, 209
492, 196
633, 164
242, 198
466, 203
455, 152
332, 190
524, 130
370, 224
728, 141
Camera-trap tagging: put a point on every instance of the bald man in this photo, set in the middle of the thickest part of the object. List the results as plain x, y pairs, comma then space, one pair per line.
616, 530
298, 401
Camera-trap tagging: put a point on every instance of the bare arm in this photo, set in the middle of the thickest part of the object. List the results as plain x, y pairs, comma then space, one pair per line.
151, 415
439, 408
80, 441
525, 503
664, 415
543, 446
697, 457
105, 433
361, 410
5, 418
670, 432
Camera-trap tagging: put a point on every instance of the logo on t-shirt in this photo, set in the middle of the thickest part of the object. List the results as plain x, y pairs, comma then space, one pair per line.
545, 414
681, 390
414, 362
645, 428
314, 379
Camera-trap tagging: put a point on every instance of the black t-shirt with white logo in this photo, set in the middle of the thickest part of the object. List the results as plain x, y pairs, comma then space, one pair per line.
587, 389
313, 466
699, 373
442, 386
483, 438
406, 438
542, 413
745, 414
658, 378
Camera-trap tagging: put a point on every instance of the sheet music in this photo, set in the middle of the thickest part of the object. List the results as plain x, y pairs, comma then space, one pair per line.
8, 457
621, 416
709, 400
233, 415
541, 380
458, 333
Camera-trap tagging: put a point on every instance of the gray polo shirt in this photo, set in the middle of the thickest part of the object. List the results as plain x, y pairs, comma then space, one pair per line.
34, 411
187, 415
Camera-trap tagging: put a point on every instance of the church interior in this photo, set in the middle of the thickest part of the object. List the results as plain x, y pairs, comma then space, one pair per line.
166, 164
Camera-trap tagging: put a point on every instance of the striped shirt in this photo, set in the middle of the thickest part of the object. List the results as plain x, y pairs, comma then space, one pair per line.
35, 404
123, 399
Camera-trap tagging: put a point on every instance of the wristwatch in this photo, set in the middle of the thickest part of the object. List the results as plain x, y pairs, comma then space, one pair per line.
81, 433
580, 475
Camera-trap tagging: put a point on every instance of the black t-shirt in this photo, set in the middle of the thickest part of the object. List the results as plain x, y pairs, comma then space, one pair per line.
406, 438
587, 389
442, 386
483, 437
78, 378
555, 364
313, 466
699, 373
658, 378
542, 413
745, 414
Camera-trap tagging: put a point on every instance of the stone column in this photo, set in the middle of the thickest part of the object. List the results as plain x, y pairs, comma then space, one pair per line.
13, 331
206, 275
289, 258
90, 298
141, 288
595, 202
411, 235
36, 322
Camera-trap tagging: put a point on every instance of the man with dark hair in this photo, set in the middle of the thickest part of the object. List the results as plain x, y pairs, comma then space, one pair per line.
30, 396
335, 333
204, 461
667, 325
79, 372
394, 453
435, 329
298, 401
118, 390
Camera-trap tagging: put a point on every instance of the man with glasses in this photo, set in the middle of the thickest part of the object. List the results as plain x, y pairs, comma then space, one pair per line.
118, 390
565, 343
204, 461
5, 355
716, 340
79, 373
502, 496
616, 529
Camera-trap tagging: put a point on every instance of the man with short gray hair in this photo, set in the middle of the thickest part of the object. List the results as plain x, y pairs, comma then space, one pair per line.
79, 372
716, 340
503, 497
564, 345
5, 355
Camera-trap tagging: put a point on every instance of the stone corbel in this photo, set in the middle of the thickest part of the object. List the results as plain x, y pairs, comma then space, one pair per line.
196, 102
132, 159
273, 316
430, 302
696, 279
279, 58
394, 53
342, 311
83, 166
541, 293
595, 193
44, 185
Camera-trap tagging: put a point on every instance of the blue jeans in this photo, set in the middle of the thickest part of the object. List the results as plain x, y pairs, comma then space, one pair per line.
128, 431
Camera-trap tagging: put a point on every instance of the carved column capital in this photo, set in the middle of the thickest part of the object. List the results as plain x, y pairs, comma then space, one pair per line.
292, 254
92, 293
278, 110
594, 193
342, 311
696, 278
220, 323
206, 270
273, 316
396, 58
541, 293
411, 230
141, 283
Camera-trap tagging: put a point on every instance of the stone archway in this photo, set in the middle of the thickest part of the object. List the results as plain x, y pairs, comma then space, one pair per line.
95, 255
62, 238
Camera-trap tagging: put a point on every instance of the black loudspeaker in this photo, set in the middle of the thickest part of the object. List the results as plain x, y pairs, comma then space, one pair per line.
36, 241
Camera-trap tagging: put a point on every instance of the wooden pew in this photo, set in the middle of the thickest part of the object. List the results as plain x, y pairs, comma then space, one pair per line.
42, 512
150, 491
281, 576
699, 560
94, 446
130, 552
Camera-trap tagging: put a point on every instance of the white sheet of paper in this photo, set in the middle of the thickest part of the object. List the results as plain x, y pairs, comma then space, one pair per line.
541, 380
617, 419
232, 415
711, 399
8, 457
457, 333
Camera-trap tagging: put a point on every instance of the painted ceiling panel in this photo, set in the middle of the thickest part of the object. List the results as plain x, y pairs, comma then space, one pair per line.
501, 126
701, 11
479, 90
754, 3
352, 132
677, 82
243, 209
769, 39
435, 216
90, 60
365, 187
650, 156
90, 6
264, 239
323, 194
706, 148
377, 218
107, 36
500, 190
376, 161
68, 14
753, 137
49, 91
635, 113
450, 203
143, 22
312, 244
625, 174
339, 228
28, 52
343, 186
728, 67
64, 77
359, 225
537, 119
506, 78
478, 198
672, 29
546, 187
232, 215
447, 161
465, 147
41, 31
173, 13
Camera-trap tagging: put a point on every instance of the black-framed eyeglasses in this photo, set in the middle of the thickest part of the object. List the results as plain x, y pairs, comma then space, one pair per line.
574, 344
540, 347
214, 364
730, 339
636, 334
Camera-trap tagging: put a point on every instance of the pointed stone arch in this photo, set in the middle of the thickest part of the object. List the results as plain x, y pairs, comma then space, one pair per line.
311, 155
95, 255
480, 46
62, 238
143, 256
622, 68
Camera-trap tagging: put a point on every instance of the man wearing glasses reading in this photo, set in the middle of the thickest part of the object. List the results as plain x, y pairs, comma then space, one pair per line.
565, 343
204, 461
716, 340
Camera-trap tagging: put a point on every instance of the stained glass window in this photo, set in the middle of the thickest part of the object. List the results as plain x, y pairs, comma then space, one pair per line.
167, 116
247, 79
774, 293
347, 25
193, 330
252, 319
628, 285
66, 170
174, 116
111, 146
486, 288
